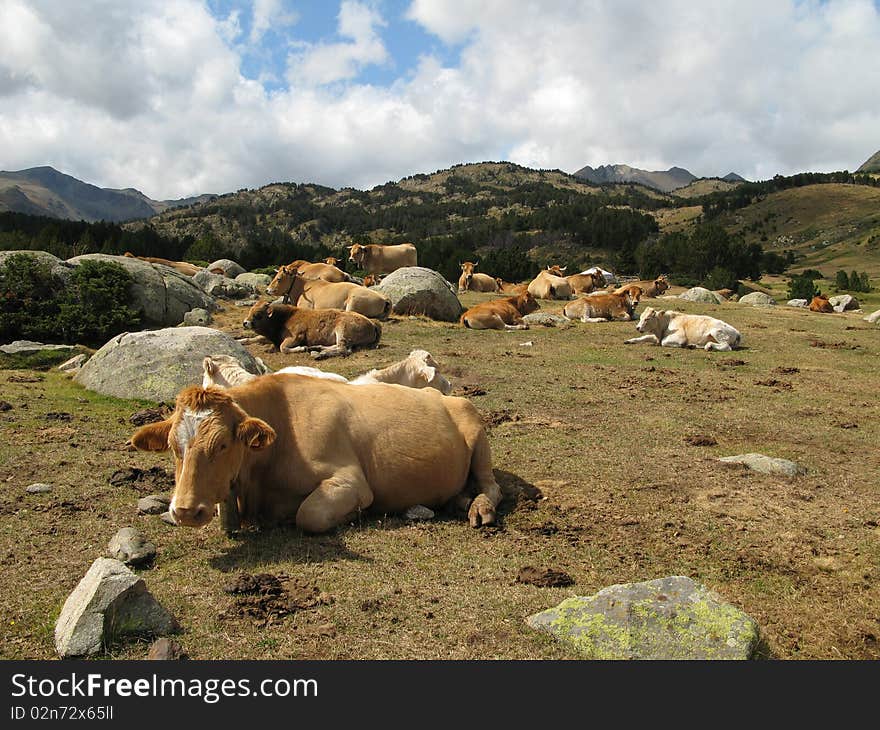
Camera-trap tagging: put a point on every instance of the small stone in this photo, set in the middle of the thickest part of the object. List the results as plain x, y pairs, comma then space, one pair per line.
197, 317
38, 488
766, 464
74, 364
546, 319
165, 649
419, 513
108, 604
131, 547
153, 504
797, 303
167, 519
245, 303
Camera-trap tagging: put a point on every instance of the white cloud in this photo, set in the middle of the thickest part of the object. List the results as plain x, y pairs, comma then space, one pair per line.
325, 63
121, 92
269, 14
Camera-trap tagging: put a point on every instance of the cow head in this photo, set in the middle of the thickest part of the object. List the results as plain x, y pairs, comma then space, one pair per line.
467, 275
372, 279
635, 294
209, 434
557, 270
331, 260
357, 253
426, 372
660, 284
652, 322
526, 303
284, 280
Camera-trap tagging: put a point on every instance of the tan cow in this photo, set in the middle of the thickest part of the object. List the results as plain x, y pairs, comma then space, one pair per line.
372, 280
669, 328
181, 267
601, 307
320, 294
585, 283
550, 285
635, 291
318, 452
376, 259
325, 332
470, 281
649, 289
500, 314
324, 271
820, 303
506, 287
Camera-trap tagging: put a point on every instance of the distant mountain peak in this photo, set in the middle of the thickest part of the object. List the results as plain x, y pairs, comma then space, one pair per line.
664, 180
872, 164
733, 177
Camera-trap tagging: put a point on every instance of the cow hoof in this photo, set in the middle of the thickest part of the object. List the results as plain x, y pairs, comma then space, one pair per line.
481, 512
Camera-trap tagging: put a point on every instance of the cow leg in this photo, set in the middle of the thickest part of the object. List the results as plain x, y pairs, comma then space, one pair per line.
593, 320
674, 340
340, 348
335, 499
518, 325
644, 338
719, 346
291, 344
482, 510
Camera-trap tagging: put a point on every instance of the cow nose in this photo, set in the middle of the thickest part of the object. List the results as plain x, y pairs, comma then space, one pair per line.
246, 324
189, 515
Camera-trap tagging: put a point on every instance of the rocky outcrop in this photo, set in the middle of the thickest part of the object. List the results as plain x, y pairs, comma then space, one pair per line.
419, 291
699, 294
758, 299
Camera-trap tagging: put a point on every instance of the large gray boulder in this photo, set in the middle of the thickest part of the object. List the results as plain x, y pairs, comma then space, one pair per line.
58, 267
803, 303
873, 318
257, 282
230, 268
109, 603
417, 290
766, 464
155, 365
668, 618
158, 292
216, 285
844, 303
758, 299
699, 294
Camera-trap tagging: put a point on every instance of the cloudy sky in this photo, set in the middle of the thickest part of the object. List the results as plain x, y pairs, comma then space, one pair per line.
178, 97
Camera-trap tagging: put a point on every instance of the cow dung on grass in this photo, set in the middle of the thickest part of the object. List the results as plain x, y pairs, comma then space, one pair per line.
155, 365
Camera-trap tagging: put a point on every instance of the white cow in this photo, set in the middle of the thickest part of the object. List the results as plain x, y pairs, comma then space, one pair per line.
676, 329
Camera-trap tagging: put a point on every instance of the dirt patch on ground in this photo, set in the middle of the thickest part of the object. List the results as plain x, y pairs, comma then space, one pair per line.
779, 385
149, 415
544, 577
786, 370
26, 378
267, 598
834, 345
701, 440
496, 418
146, 481
469, 391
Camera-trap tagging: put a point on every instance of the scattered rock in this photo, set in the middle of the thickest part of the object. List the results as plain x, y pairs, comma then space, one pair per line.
758, 299
148, 415
166, 649
419, 513
229, 267
74, 364
167, 519
131, 547
155, 365
668, 618
699, 294
26, 347
217, 285
154, 504
109, 603
38, 488
797, 303
844, 303
245, 303
197, 317
415, 290
873, 318
257, 282
547, 320
544, 577
161, 294
766, 464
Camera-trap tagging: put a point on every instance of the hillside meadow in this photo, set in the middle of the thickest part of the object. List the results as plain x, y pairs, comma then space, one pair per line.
607, 455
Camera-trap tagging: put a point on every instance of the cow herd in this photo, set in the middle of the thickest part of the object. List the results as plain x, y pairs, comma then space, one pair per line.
311, 447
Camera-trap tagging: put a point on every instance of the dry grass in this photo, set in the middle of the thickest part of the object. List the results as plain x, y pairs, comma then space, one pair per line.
603, 430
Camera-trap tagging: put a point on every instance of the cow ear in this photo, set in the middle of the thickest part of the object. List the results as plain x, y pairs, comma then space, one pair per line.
255, 433
210, 366
428, 373
152, 437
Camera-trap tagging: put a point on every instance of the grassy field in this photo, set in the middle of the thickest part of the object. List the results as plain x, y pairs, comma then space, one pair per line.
603, 430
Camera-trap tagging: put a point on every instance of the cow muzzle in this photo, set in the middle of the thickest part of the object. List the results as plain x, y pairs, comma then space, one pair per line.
246, 324
197, 516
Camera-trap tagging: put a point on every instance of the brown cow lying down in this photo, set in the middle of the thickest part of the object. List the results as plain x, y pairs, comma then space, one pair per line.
650, 289
328, 332
677, 329
321, 294
181, 267
505, 287
585, 283
601, 307
318, 452
500, 314
820, 303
